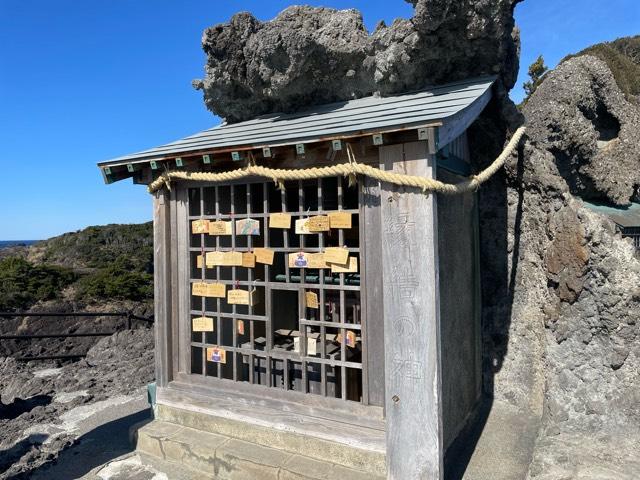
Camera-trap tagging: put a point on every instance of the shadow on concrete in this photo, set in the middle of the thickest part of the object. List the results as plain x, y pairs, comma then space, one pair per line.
486, 137
94, 448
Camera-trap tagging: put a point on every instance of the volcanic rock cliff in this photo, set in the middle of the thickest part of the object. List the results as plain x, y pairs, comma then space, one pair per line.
309, 56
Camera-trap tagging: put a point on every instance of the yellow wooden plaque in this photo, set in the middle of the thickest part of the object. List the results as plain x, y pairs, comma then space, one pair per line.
220, 228
336, 255
311, 299
247, 226
264, 255
317, 260
215, 290
350, 267
199, 261
307, 260
199, 289
302, 226
319, 223
202, 324
217, 355
232, 259
248, 260
279, 220
214, 259
299, 260
340, 220
238, 297
242, 297
200, 226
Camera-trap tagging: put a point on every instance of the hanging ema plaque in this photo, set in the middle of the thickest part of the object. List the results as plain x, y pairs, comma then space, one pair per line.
336, 255
214, 259
351, 267
302, 226
242, 297
264, 255
247, 226
200, 226
232, 259
340, 220
204, 289
319, 223
220, 228
280, 220
248, 260
202, 324
312, 300
217, 355
307, 260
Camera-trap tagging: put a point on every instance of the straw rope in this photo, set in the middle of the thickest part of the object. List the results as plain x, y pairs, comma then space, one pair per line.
351, 169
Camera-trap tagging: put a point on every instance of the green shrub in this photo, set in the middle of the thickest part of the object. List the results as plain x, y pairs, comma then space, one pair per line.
98, 247
120, 280
22, 284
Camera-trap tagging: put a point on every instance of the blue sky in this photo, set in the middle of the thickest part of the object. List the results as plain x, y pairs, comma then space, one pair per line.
85, 81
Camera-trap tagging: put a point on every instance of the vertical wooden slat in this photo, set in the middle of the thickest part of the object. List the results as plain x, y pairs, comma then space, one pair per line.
162, 286
321, 316
202, 273
250, 281
181, 286
234, 279
303, 279
285, 233
342, 316
218, 300
267, 288
371, 292
413, 403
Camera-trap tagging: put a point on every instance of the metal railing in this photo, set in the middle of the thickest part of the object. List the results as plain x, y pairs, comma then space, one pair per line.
129, 317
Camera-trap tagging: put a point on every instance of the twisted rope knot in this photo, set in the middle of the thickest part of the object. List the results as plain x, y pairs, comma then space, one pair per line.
349, 170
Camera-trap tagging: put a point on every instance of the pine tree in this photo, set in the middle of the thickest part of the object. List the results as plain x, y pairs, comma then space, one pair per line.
537, 71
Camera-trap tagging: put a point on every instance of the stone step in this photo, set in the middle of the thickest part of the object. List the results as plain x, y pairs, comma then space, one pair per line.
356, 447
222, 457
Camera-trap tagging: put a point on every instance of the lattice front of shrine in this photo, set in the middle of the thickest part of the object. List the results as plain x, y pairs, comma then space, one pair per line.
267, 305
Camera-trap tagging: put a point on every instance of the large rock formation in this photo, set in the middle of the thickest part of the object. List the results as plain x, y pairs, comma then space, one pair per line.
560, 285
583, 119
308, 56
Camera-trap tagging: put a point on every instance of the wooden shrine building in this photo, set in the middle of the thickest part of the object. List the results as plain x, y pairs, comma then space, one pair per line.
316, 326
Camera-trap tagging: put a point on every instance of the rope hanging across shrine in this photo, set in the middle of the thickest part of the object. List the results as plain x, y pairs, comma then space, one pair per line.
351, 169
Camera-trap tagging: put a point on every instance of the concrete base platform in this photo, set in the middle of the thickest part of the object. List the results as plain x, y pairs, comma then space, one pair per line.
217, 456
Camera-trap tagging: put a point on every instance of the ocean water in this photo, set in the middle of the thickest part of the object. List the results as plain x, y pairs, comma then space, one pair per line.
11, 243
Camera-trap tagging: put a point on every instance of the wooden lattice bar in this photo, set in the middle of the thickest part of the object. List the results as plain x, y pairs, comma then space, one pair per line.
263, 352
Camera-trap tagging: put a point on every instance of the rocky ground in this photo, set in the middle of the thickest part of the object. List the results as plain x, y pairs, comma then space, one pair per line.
45, 408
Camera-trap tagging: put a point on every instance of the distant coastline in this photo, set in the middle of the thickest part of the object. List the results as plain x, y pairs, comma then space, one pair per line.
14, 243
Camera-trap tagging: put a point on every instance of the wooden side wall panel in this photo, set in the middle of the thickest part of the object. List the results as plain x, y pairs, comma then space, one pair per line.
162, 282
413, 403
372, 294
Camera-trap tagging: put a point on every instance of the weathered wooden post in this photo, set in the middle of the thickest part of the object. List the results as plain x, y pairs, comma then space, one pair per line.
413, 393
